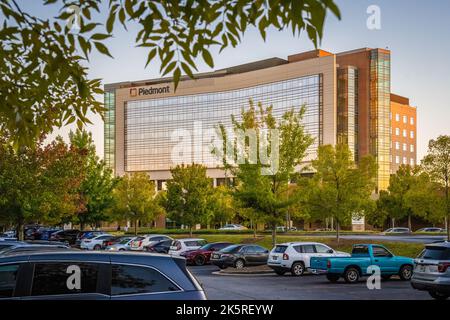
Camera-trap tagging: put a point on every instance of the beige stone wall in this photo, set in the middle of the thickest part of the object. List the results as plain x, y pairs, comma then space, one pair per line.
325, 65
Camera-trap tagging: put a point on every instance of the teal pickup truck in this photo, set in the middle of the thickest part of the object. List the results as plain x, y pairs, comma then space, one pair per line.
356, 266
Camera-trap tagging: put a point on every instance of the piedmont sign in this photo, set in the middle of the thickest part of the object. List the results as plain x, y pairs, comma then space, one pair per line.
146, 91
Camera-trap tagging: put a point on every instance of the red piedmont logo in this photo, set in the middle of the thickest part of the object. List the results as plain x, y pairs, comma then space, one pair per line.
133, 92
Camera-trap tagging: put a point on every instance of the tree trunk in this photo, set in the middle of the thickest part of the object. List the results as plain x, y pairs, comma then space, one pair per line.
447, 226
337, 231
409, 222
135, 227
19, 230
190, 231
274, 235
393, 223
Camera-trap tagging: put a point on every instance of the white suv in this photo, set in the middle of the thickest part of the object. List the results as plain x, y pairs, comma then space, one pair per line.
295, 256
182, 245
139, 243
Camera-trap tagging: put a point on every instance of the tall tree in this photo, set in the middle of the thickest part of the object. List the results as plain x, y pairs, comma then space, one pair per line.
45, 83
95, 190
409, 193
188, 195
339, 188
221, 207
135, 200
269, 154
38, 184
437, 164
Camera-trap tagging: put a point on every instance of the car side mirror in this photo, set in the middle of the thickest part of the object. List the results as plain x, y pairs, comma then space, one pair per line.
213, 249
267, 251
331, 251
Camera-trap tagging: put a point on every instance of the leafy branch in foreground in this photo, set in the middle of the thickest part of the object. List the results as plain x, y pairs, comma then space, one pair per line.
45, 85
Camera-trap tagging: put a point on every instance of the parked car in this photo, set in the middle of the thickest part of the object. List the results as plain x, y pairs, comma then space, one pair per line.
20, 248
432, 270
181, 245
5, 237
87, 235
396, 231
363, 256
9, 234
239, 256
122, 244
162, 246
430, 229
95, 243
233, 227
104, 276
202, 255
67, 236
31, 232
45, 233
139, 243
294, 257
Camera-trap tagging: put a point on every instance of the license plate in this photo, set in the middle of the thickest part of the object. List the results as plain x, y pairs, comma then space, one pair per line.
216, 256
274, 258
421, 268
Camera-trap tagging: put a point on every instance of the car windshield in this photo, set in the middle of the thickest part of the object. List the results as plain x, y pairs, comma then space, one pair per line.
207, 246
124, 241
280, 249
232, 248
435, 253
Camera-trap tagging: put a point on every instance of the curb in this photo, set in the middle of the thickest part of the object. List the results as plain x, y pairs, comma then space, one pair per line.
237, 274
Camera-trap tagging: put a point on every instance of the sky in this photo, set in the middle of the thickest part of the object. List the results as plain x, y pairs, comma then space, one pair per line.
417, 33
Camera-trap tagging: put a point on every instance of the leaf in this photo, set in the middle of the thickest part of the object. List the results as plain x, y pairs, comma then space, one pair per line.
176, 78
102, 48
100, 36
151, 55
208, 58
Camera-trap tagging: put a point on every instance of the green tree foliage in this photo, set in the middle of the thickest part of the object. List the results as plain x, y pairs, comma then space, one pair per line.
188, 195
261, 185
221, 209
340, 189
437, 164
96, 188
410, 193
135, 199
38, 184
44, 82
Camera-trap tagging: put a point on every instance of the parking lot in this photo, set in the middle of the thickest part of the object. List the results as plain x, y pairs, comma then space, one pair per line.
308, 287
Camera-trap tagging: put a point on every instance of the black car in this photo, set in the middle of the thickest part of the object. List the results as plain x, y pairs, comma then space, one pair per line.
162, 246
66, 236
239, 256
80, 275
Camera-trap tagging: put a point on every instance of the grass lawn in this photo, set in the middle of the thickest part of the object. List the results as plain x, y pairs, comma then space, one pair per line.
398, 248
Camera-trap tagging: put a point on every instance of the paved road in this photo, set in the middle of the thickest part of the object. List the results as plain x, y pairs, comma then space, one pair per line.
308, 287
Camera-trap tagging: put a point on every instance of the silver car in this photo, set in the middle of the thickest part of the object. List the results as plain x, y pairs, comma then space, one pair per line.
122, 245
432, 270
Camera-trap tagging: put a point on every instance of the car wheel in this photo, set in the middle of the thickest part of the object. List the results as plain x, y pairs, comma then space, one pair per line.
438, 295
121, 249
280, 272
298, 269
351, 275
386, 276
221, 266
97, 247
333, 277
239, 264
406, 272
199, 260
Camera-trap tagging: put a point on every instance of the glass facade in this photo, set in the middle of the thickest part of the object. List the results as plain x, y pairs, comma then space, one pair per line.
150, 124
347, 109
110, 128
380, 124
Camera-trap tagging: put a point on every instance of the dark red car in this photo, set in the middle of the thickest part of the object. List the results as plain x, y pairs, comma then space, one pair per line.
201, 256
